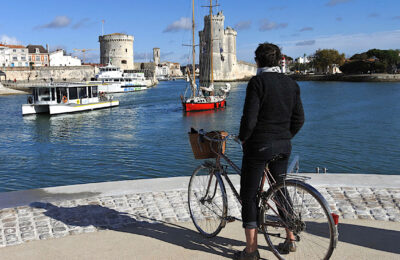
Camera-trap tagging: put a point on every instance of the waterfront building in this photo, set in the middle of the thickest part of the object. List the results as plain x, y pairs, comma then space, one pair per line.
58, 58
165, 70
117, 49
38, 56
225, 64
303, 60
13, 56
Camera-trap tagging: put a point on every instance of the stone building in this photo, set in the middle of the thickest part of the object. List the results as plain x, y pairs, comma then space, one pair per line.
13, 56
117, 48
156, 56
38, 56
226, 67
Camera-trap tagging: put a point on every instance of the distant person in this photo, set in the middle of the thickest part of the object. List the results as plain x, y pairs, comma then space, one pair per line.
272, 115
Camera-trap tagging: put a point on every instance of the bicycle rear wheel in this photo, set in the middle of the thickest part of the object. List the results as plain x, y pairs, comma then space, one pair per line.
306, 213
207, 201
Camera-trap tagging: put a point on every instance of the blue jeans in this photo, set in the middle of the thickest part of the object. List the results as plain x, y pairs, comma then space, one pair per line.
255, 157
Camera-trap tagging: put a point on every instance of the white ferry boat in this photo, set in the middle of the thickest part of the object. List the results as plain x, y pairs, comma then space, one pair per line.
66, 98
115, 81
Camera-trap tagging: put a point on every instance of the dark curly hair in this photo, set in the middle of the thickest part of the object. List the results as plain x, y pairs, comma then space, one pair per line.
268, 55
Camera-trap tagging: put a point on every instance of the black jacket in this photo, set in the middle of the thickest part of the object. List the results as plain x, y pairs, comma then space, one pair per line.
272, 109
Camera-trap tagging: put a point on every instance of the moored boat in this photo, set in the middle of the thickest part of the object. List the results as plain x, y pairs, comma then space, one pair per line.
206, 97
115, 81
66, 98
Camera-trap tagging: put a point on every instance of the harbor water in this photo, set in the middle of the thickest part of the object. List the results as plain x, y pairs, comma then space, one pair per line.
350, 128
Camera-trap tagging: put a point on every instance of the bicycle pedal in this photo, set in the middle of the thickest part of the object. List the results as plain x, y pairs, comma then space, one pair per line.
230, 219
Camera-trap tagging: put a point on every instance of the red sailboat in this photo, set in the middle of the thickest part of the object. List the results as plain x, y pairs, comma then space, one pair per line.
205, 97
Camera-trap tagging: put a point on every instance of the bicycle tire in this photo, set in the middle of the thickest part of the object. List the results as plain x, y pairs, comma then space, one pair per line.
309, 219
208, 210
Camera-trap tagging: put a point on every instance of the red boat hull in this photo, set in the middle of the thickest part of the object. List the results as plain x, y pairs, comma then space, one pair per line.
190, 107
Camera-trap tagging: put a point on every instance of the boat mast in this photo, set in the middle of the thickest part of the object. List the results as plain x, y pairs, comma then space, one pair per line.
211, 45
193, 53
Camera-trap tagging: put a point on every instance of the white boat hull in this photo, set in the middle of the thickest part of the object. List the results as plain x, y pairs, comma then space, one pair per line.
55, 109
28, 109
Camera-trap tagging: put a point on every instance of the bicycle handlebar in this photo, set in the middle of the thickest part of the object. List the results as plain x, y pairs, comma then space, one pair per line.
232, 137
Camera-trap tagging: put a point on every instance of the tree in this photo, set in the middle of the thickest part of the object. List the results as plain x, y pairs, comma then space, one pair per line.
356, 67
380, 61
328, 57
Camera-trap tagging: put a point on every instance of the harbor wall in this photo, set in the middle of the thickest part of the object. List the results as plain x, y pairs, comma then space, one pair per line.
350, 78
61, 73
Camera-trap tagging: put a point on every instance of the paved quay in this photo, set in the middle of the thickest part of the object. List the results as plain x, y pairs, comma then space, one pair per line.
9, 91
155, 212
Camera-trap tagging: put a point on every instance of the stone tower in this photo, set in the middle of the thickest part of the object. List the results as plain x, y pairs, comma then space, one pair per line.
156, 56
224, 50
117, 48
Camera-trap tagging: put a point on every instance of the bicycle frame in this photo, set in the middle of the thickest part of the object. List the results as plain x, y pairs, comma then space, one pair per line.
220, 169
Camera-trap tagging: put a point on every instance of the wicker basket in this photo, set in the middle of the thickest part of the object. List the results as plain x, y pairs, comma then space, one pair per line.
201, 147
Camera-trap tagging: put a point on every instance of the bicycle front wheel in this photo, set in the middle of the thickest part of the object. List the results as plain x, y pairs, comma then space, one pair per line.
298, 207
207, 201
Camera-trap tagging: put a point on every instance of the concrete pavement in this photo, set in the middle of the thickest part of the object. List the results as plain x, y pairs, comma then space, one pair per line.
359, 239
149, 219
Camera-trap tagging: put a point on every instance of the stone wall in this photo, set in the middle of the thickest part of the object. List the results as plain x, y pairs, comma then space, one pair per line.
347, 77
78, 73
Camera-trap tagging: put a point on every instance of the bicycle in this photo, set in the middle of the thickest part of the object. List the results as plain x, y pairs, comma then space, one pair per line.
304, 211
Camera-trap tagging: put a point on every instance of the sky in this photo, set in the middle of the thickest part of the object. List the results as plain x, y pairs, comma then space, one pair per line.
298, 27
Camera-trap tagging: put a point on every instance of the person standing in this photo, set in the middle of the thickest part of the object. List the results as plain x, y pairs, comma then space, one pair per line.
272, 115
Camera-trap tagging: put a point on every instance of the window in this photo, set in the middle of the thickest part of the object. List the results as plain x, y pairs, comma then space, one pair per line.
94, 91
126, 50
30, 58
90, 92
37, 58
82, 92
53, 94
15, 58
45, 58
61, 92
14, 50
23, 58
37, 50
123, 61
73, 93
44, 94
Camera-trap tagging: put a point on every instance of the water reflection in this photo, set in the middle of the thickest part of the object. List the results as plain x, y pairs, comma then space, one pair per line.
146, 136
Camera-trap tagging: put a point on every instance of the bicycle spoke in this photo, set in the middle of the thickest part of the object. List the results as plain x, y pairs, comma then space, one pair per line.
306, 215
207, 201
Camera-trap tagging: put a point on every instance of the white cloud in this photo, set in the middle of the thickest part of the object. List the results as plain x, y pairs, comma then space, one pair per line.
243, 25
266, 25
9, 40
58, 22
183, 24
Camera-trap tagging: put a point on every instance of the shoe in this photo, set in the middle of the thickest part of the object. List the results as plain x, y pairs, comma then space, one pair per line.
243, 255
287, 247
